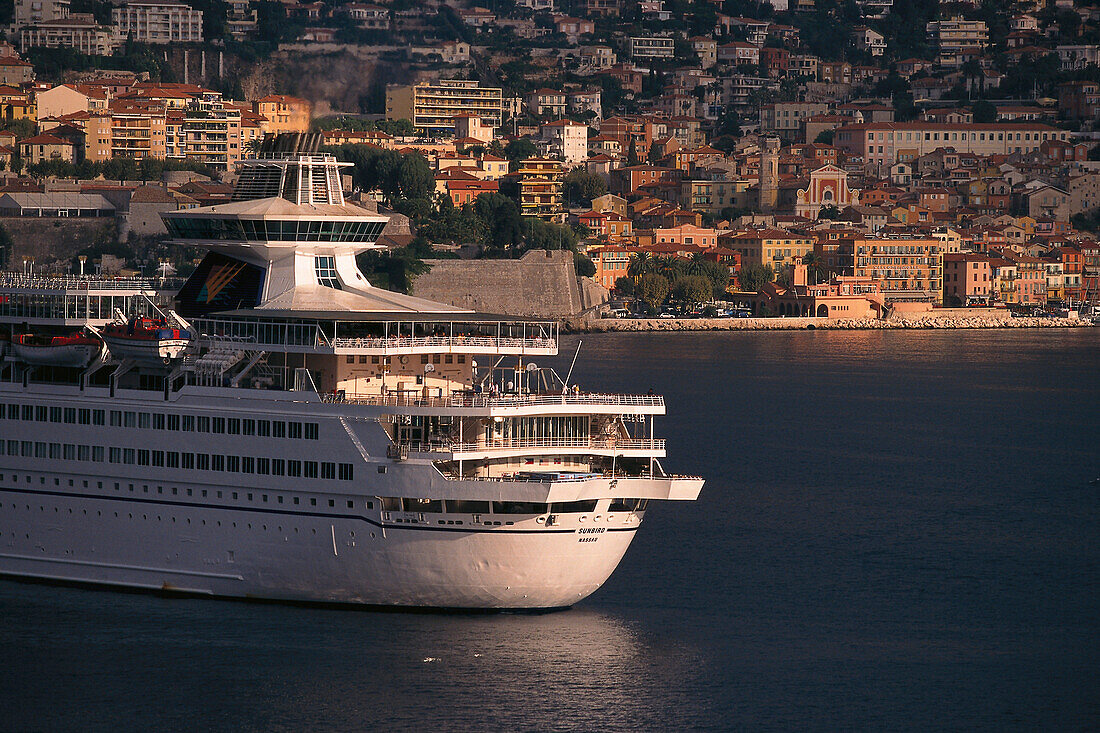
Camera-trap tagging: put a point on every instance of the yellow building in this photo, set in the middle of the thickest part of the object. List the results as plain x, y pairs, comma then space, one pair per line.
910, 270
775, 247
432, 108
540, 182
45, 147
283, 113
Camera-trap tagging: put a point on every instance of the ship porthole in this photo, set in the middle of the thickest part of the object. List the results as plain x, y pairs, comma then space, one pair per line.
540, 520
610, 517
596, 518
583, 518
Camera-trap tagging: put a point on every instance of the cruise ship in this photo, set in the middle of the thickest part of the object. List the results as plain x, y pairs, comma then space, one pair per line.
285, 431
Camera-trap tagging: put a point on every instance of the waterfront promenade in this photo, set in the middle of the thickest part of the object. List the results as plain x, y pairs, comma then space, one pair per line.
937, 319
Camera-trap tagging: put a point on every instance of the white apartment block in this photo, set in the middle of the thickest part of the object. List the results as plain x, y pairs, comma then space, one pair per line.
567, 140
652, 47
78, 31
33, 12
158, 21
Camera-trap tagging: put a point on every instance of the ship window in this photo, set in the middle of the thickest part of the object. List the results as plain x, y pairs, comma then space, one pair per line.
518, 507
424, 359
328, 470
97, 454
187, 460
144, 420
28, 412
278, 429
113, 456
217, 462
448, 359
373, 360
173, 422
350, 359
202, 461
332, 502
351, 504
233, 463
127, 455
347, 471
432, 506
309, 469
295, 500
158, 421
294, 468
188, 423
435, 358
55, 450
55, 414
41, 413
218, 424
248, 464
129, 419
39, 450
233, 426
13, 412
294, 430
461, 506
172, 459
263, 428
626, 505
325, 267
158, 458
278, 467
202, 424
143, 457
263, 466
85, 416
311, 431
461, 358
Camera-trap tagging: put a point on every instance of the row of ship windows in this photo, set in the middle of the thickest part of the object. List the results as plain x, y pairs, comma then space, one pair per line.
175, 459
160, 421
204, 493
389, 503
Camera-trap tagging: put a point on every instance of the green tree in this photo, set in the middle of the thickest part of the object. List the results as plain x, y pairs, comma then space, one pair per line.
6, 245
414, 177
984, 111
829, 212
825, 137
652, 289
584, 266
520, 149
579, 187
640, 263
754, 277
693, 289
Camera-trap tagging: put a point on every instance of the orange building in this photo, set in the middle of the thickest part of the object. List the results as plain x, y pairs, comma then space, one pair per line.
283, 113
967, 279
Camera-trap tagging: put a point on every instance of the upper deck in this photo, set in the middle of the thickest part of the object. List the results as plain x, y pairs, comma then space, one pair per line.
71, 301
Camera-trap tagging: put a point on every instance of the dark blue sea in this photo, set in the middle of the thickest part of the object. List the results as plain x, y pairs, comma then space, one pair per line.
898, 532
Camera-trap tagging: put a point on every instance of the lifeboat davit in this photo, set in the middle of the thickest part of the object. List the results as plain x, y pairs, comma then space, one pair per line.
75, 350
146, 339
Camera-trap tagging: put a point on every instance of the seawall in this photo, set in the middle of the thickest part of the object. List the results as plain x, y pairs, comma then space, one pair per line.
597, 325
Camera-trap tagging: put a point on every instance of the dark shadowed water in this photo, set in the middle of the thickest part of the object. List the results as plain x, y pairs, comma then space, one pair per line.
898, 532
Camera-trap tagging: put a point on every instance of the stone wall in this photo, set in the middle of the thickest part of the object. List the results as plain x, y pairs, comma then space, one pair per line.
46, 240
540, 284
788, 324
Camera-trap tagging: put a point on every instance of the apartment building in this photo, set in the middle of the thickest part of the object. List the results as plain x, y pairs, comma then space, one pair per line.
546, 103
78, 31
775, 247
967, 279
652, 47
957, 34
157, 22
284, 113
567, 140
211, 132
886, 143
35, 12
540, 182
432, 107
785, 118
909, 270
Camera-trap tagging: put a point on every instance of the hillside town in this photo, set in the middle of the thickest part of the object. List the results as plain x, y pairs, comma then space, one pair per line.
802, 158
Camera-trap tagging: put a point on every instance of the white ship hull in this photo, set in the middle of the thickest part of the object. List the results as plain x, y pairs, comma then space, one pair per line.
248, 536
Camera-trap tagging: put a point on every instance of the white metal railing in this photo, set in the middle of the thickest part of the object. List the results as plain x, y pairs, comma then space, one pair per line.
556, 479
507, 400
652, 444
73, 282
404, 342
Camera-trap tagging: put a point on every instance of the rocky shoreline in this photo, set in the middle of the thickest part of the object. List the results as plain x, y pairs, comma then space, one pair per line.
601, 325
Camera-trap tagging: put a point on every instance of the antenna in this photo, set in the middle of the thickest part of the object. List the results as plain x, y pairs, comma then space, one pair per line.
573, 363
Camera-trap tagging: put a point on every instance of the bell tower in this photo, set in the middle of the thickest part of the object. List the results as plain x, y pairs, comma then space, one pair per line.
769, 175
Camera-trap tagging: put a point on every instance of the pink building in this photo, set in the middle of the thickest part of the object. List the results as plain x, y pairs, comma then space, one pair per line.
967, 279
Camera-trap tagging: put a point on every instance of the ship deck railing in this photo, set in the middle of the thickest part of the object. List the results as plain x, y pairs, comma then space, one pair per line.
73, 282
444, 342
590, 443
406, 399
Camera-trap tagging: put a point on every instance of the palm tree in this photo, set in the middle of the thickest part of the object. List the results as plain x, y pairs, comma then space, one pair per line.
666, 265
640, 264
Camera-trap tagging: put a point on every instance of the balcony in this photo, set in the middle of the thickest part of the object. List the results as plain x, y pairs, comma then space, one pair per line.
620, 447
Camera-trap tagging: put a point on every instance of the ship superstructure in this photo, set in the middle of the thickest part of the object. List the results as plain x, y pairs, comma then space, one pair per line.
320, 439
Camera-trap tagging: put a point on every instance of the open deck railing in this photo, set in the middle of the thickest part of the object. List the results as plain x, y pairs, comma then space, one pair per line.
405, 342
73, 282
547, 479
654, 444
507, 400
